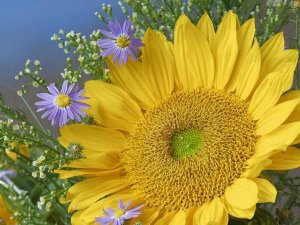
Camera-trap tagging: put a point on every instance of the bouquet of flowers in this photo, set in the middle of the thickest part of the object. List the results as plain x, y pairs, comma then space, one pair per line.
186, 113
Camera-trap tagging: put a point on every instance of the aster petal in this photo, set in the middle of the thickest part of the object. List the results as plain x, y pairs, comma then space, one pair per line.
48, 112
52, 89
109, 51
64, 88
70, 113
115, 27
126, 27
70, 89
46, 96
44, 103
109, 34
106, 43
117, 55
121, 204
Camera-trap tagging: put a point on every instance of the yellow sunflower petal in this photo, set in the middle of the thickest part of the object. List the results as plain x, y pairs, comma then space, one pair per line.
104, 161
147, 216
210, 213
277, 140
275, 116
242, 193
266, 191
93, 138
245, 37
206, 27
133, 80
85, 193
172, 218
65, 174
75, 219
249, 72
288, 59
292, 95
225, 49
111, 106
240, 213
255, 167
190, 212
290, 159
272, 47
192, 54
266, 95
159, 63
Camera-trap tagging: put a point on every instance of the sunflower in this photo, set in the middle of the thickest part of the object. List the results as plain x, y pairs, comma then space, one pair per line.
187, 130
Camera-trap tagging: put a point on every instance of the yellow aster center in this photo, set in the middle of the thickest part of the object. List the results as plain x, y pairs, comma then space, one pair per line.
209, 131
118, 213
62, 100
122, 41
186, 143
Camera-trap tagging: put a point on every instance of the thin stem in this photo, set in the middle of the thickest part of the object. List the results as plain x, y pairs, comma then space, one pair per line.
33, 114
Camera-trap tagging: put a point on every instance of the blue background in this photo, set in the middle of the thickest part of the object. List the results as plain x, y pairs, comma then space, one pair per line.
26, 27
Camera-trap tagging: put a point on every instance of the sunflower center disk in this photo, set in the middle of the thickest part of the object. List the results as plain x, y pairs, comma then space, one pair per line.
122, 41
189, 148
62, 100
186, 143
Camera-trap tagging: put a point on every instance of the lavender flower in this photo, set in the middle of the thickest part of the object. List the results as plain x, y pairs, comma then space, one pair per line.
118, 217
120, 42
61, 105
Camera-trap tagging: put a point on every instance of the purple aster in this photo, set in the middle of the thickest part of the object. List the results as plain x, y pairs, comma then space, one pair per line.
120, 42
118, 217
61, 105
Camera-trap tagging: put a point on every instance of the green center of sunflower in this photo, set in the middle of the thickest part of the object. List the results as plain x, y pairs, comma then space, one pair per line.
186, 143
62, 100
122, 41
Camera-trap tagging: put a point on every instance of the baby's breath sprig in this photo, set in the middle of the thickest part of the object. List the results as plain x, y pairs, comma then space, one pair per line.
296, 38
86, 53
271, 16
161, 15
31, 71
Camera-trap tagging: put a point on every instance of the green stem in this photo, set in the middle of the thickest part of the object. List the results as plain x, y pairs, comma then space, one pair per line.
33, 114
